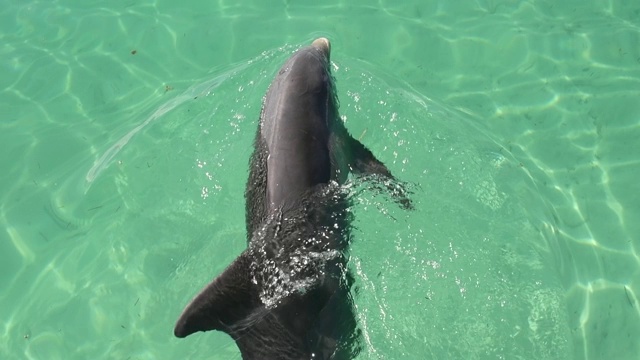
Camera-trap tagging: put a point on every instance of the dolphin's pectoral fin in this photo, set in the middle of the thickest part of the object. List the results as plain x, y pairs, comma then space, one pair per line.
363, 162
228, 299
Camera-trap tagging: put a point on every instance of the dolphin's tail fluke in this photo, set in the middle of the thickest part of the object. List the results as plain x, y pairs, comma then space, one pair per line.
228, 299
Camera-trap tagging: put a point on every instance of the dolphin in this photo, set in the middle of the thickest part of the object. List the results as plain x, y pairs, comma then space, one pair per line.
287, 296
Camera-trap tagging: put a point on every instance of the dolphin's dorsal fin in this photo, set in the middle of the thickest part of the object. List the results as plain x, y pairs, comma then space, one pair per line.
229, 298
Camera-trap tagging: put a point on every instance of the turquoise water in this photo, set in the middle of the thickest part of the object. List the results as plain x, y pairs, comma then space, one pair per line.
127, 128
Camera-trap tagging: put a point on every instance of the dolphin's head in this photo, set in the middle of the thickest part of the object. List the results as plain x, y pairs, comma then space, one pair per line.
323, 45
307, 71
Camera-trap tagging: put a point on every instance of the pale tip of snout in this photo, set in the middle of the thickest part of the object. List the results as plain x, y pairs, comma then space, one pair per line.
322, 44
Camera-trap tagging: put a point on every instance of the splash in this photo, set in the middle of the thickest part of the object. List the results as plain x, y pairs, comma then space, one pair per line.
297, 249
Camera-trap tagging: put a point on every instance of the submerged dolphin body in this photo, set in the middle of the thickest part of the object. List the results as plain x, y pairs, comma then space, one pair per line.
287, 295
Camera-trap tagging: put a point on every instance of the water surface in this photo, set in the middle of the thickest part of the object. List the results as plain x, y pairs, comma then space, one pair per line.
127, 128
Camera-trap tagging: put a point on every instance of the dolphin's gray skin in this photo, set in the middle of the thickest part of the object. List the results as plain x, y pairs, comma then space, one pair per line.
287, 295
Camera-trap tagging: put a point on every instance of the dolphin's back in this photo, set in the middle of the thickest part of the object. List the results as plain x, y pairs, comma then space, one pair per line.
298, 110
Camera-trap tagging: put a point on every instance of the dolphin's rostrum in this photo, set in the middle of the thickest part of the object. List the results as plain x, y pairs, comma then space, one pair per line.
287, 296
